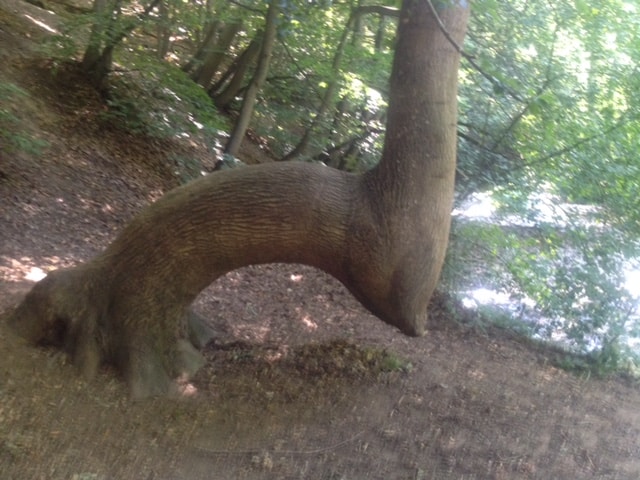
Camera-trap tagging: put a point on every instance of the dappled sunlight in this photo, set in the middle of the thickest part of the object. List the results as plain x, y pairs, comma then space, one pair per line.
632, 282
472, 299
41, 24
184, 387
35, 274
484, 296
296, 277
251, 332
479, 205
542, 207
308, 323
573, 244
28, 269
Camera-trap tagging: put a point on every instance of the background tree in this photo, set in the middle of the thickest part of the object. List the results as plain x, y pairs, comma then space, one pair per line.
352, 27
268, 40
108, 30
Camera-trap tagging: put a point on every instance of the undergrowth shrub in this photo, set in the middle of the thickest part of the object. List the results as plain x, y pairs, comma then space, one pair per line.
157, 99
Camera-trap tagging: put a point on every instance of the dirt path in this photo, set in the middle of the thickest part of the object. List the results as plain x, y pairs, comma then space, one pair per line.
294, 387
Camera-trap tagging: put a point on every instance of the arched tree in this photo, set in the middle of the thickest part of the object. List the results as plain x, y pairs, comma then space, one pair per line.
383, 233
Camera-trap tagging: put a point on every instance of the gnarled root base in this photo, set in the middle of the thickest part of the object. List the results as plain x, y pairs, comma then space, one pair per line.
68, 309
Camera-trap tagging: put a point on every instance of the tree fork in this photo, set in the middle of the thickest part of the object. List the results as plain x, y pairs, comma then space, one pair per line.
383, 234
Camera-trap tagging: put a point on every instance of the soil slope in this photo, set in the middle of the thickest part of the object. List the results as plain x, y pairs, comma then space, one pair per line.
301, 383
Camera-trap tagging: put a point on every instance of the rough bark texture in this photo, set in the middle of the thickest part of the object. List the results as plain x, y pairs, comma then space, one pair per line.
383, 234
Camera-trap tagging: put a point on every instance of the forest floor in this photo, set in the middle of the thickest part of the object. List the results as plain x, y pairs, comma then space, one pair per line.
301, 383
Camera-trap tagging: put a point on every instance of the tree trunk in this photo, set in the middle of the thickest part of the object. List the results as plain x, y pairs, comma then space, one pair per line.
237, 72
94, 62
164, 25
259, 77
211, 32
108, 30
215, 54
383, 234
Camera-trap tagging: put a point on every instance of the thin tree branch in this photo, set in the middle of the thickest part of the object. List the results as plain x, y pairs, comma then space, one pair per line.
561, 151
298, 67
247, 7
493, 80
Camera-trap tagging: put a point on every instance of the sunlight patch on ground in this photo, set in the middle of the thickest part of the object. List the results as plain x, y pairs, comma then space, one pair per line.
35, 274
26, 268
41, 24
309, 323
296, 278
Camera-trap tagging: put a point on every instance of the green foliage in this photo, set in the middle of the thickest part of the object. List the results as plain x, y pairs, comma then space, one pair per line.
12, 136
549, 125
604, 362
157, 99
67, 44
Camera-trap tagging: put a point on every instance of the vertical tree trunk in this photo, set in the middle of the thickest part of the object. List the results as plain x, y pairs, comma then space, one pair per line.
210, 34
383, 234
164, 29
107, 32
237, 71
215, 53
412, 187
380, 33
94, 62
259, 77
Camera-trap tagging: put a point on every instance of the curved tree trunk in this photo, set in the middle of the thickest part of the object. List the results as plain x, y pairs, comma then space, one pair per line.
383, 234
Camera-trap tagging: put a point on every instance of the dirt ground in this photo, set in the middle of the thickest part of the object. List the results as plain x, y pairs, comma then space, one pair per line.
301, 383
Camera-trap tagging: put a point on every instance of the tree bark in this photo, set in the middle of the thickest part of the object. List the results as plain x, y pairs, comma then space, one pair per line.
215, 53
237, 71
259, 77
383, 234
108, 30
211, 32
164, 25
